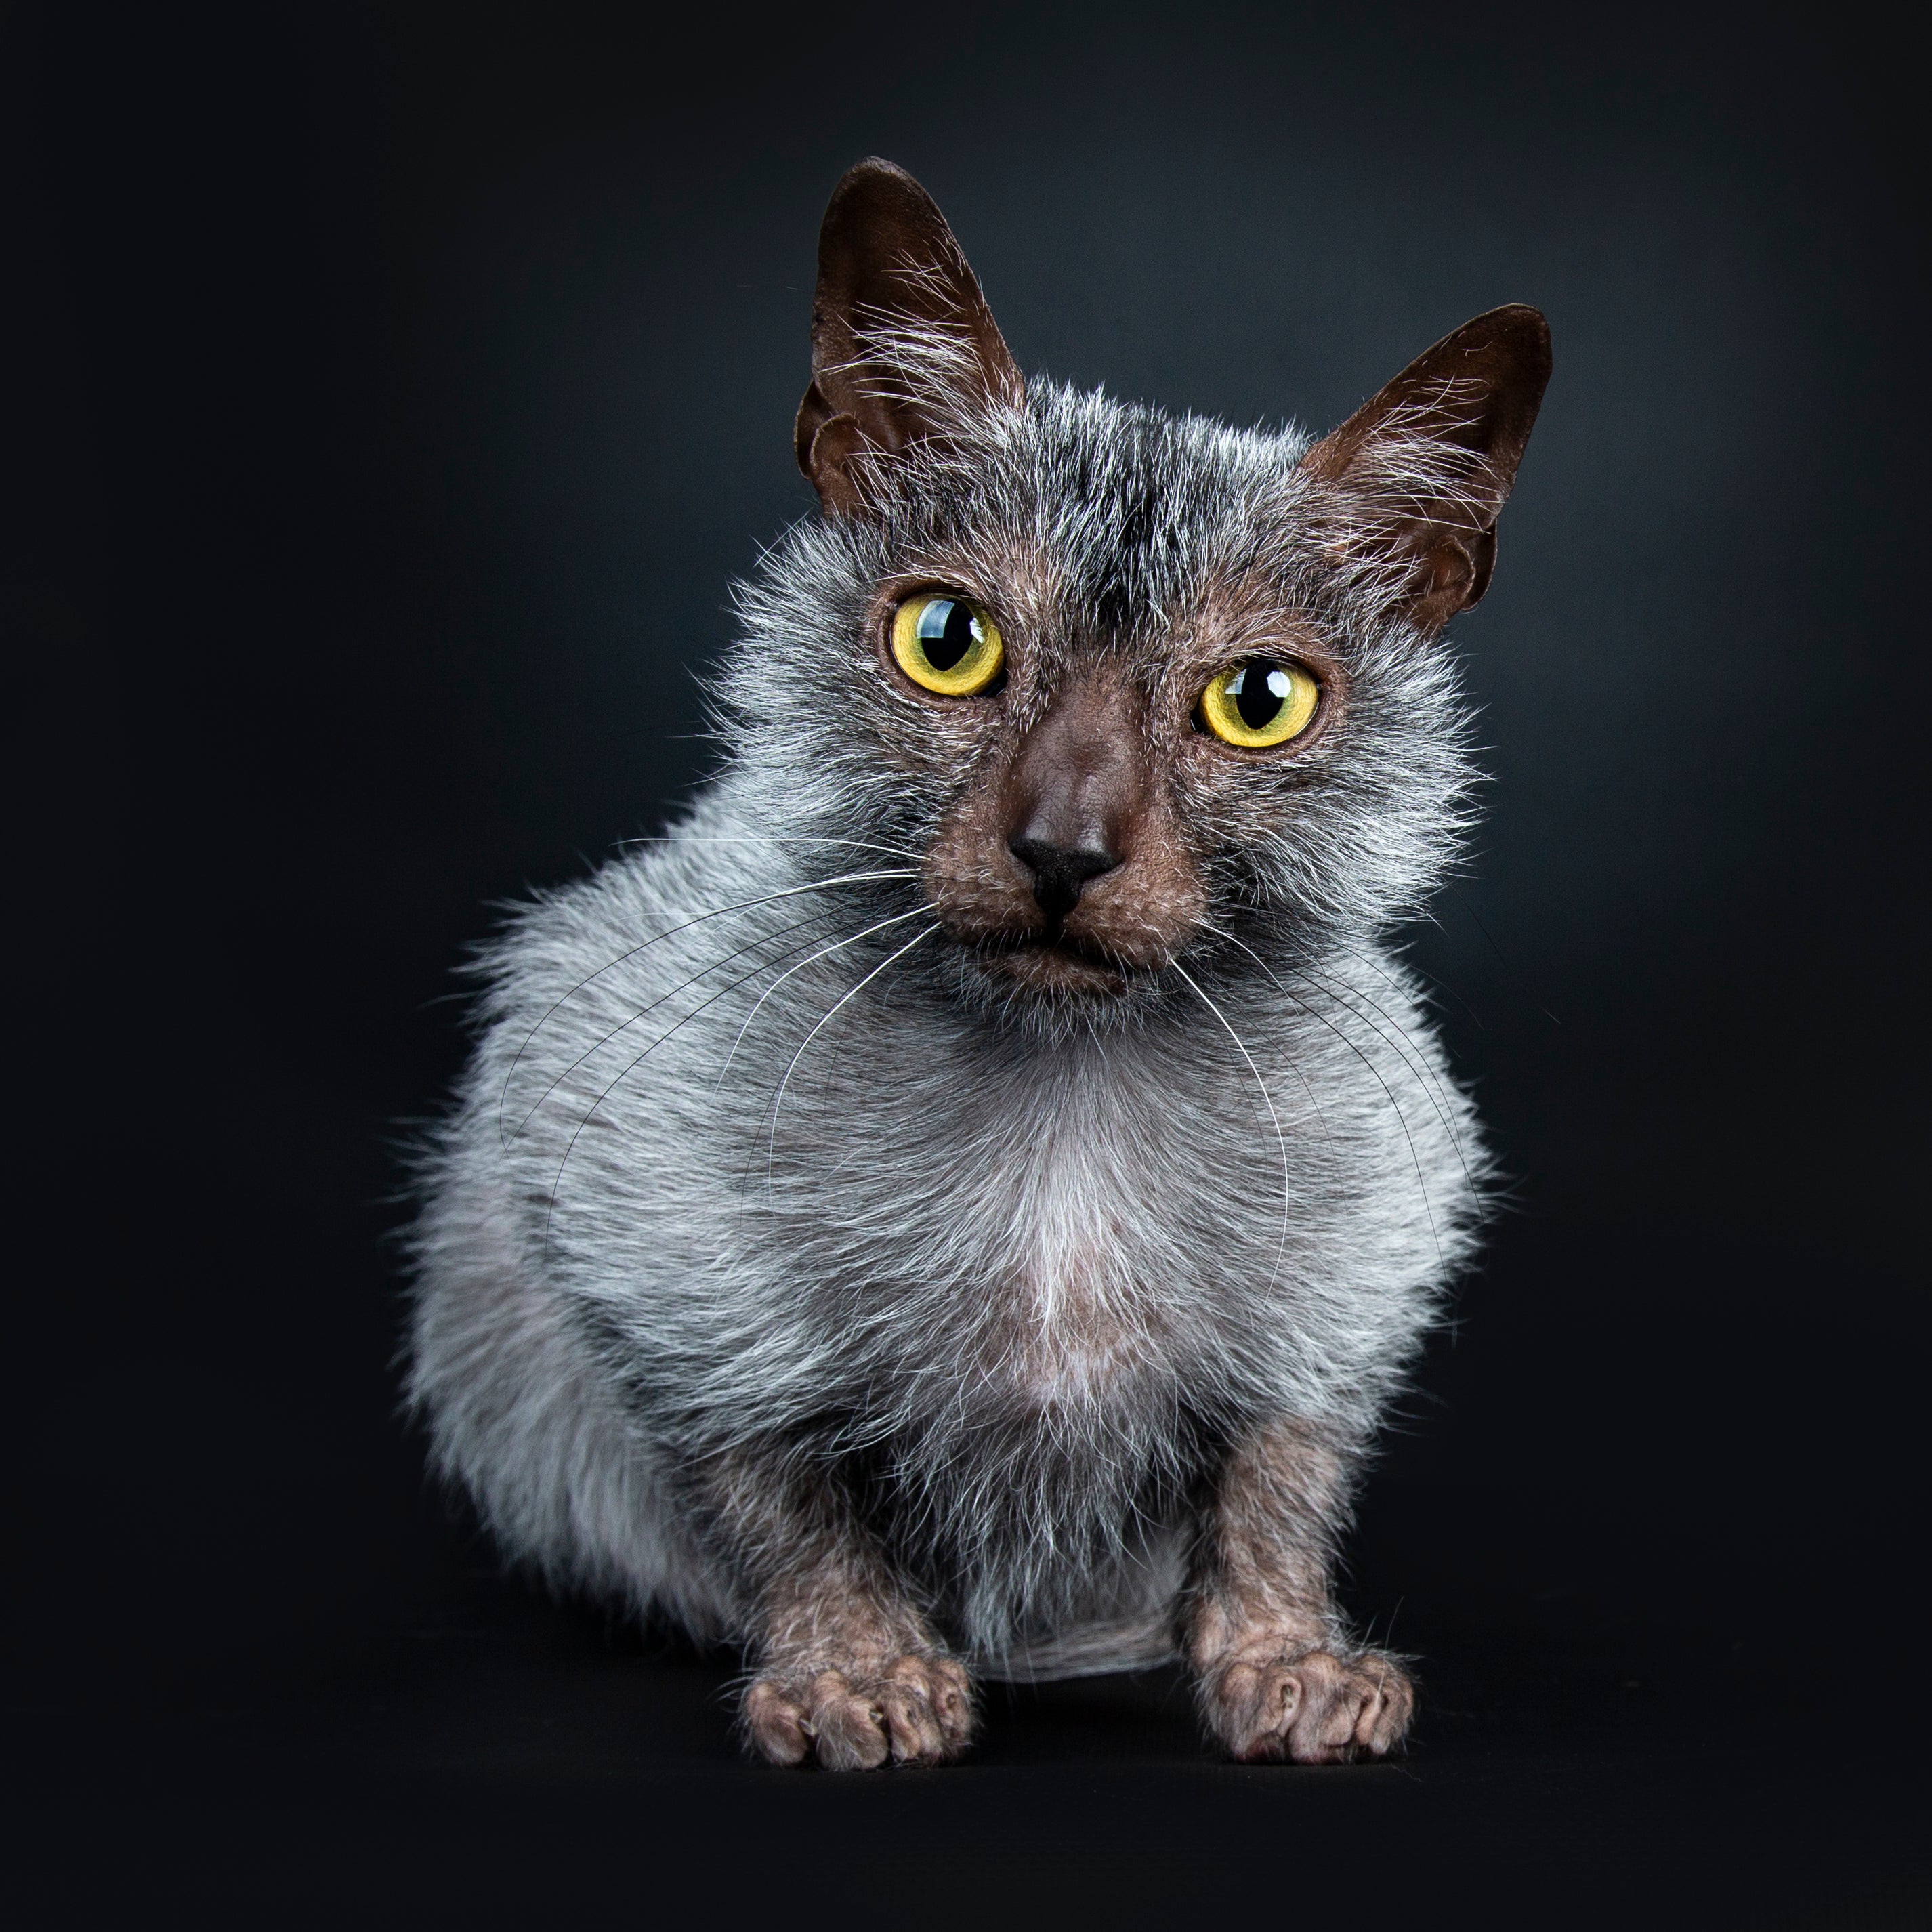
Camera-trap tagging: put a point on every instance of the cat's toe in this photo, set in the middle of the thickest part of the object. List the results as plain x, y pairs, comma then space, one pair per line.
1310, 1706
917, 1710
927, 1703
775, 1723
849, 1730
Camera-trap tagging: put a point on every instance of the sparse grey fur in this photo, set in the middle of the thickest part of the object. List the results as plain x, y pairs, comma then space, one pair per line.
751, 1158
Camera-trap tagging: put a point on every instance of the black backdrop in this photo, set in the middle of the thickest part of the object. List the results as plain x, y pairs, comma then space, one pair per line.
417, 382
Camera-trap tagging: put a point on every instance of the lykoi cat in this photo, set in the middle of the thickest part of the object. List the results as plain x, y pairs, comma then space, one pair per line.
957, 1203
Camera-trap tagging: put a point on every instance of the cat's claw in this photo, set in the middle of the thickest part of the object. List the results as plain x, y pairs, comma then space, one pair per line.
1309, 1706
916, 1710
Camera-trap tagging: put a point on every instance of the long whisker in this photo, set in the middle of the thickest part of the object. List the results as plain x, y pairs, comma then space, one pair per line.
737, 952
1355, 1048
743, 905
1427, 978
1281, 1139
1294, 1067
898, 918
1463, 900
778, 1105
1374, 965
626, 1073
1426, 1077
773, 838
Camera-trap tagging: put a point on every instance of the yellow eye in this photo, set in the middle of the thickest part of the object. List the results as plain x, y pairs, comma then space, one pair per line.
946, 644
1261, 703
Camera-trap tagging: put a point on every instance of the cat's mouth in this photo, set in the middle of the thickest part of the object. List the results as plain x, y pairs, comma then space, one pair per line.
1050, 962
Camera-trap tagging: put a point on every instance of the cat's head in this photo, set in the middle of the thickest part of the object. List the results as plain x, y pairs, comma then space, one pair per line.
1132, 692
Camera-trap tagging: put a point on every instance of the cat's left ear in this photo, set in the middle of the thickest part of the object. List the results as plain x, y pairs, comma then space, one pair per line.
1420, 472
903, 343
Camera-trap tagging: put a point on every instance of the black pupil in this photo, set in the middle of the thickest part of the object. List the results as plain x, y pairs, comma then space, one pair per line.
1259, 690
946, 632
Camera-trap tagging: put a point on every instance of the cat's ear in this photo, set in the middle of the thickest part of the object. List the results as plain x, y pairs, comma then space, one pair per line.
903, 344
1420, 472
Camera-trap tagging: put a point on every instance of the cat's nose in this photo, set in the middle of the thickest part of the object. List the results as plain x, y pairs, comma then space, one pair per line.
1060, 871
1074, 793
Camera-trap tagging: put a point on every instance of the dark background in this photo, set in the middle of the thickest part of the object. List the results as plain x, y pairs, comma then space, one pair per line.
415, 381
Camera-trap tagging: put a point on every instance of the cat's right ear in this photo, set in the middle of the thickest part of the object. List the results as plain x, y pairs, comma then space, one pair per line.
903, 344
1419, 474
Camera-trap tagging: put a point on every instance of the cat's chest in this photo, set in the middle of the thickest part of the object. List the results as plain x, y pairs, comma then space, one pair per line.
1052, 1237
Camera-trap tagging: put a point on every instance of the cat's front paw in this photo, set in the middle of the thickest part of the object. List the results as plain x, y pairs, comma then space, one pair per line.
1307, 1704
916, 1710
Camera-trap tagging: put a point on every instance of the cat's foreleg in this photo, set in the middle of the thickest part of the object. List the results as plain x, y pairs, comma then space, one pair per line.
848, 1672
1278, 1675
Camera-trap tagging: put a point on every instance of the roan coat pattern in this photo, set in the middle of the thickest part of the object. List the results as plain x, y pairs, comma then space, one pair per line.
957, 1205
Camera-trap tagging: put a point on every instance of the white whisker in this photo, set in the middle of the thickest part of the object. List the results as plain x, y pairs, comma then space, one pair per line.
1281, 1139
775, 838
719, 912
1425, 1078
771, 1144
1355, 1048
838, 945
764, 939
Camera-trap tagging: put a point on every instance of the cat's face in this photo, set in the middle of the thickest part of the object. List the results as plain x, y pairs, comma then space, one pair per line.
1101, 728
1128, 691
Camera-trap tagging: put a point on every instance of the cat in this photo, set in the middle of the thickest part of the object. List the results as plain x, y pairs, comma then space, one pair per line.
956, 1205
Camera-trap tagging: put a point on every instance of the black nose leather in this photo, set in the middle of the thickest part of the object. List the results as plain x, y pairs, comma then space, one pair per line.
1060, 871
